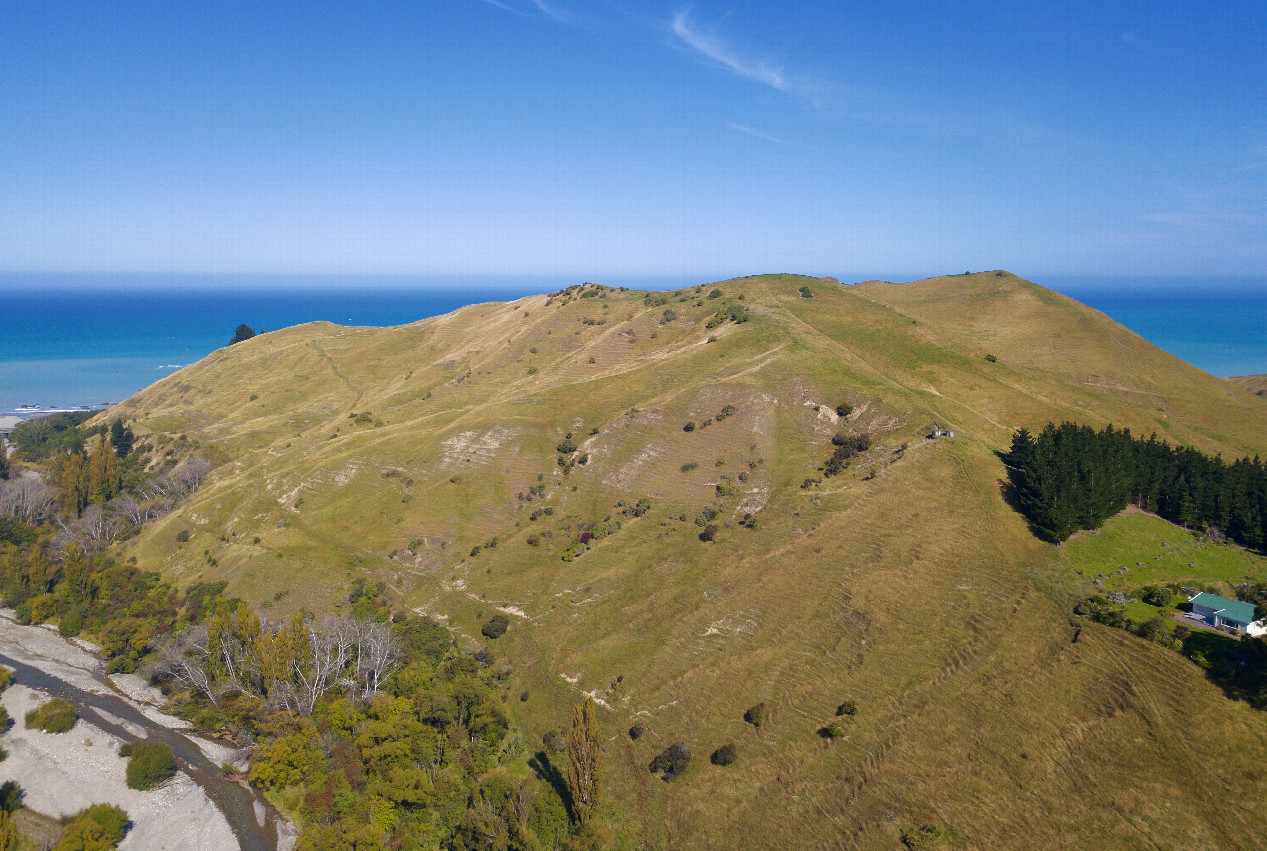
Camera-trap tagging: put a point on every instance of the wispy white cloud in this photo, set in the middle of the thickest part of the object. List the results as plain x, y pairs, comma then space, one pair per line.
758, 133
552, 11
715, 49
511, 9
548, 9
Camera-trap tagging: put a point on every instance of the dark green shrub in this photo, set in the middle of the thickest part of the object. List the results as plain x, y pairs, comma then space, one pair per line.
689, 466
755, 715
636, 731
709, 533
715, 294
724, 755
847, 708
1156, 595
689, 426
672, 761
991, 358
6, 678
149, 764
928, 837
640, 508
10, 796
806, 292
566, 446
555, 740
475, 551
496, 626
834, 730
56, 716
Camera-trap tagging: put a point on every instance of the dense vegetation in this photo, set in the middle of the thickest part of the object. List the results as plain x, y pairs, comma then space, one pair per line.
55, 716
149, 764
1072, 477
99, 827
371, 729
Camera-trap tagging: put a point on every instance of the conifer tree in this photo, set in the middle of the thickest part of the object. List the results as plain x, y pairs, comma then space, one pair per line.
584, 747
121, 438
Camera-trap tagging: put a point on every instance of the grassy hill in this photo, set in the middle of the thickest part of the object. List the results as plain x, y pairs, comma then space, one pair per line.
905, 584
1256, 384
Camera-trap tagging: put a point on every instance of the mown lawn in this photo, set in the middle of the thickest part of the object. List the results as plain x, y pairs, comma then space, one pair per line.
1155, 552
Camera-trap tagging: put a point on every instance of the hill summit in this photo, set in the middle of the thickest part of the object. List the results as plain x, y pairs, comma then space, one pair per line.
686, 504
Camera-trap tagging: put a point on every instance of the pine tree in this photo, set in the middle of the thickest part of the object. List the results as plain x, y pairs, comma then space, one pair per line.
121, 438
584, 748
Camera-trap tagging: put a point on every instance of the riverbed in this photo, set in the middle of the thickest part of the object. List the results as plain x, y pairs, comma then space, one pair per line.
63, 773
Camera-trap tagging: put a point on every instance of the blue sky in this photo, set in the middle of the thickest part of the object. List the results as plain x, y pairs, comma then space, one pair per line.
618, 138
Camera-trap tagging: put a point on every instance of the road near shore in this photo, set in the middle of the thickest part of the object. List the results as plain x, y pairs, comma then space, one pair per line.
61, 774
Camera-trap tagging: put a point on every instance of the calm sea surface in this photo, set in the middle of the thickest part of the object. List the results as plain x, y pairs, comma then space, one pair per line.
69, 340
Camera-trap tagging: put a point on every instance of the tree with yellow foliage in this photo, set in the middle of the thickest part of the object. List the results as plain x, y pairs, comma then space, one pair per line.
584, 747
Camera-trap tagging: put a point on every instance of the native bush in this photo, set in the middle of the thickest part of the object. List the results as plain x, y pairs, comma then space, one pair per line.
709, 533
149, 764
847, 708
724, 755
636, 731
496, 626
55, 716
756, 715
672, 761
690, 426
98, 827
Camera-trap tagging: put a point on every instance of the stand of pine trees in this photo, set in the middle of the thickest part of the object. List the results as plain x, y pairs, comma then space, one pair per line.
1072, 477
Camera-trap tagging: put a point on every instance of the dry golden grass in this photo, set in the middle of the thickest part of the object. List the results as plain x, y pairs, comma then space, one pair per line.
905, 584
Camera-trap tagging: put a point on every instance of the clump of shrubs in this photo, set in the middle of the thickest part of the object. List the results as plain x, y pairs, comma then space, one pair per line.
847, 708
690, 426
56, 716
672, 762
847, 446
844, 409
756, 715
636, 732
496, 626
724, 755
638, 509
709, 533
99, 826
834, 730
149, 764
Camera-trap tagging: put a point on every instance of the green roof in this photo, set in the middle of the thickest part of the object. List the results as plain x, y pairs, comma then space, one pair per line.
1233, 610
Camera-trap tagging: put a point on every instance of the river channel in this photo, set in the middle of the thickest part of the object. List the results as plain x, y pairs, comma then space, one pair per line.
253, 822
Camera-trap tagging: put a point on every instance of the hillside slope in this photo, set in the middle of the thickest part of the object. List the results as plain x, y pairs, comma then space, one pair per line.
905, 583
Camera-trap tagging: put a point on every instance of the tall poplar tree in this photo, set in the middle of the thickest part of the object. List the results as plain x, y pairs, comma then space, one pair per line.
584, 748
104, 478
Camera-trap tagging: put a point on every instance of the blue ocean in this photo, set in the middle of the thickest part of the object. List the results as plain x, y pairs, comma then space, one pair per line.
89, 340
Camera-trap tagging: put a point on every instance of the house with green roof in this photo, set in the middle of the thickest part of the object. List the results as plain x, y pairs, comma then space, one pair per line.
1222, 613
